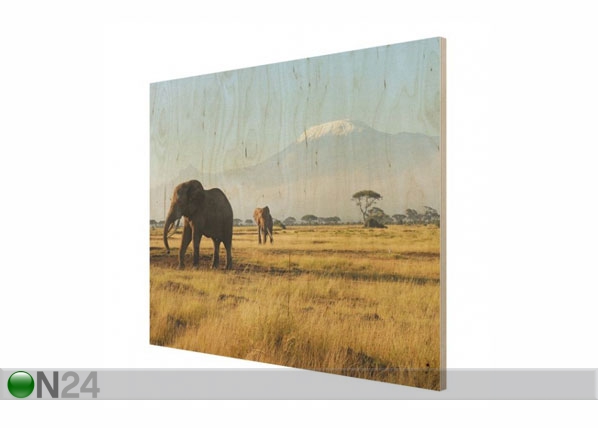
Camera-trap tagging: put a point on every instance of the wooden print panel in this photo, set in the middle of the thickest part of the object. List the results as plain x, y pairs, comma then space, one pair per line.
330, 173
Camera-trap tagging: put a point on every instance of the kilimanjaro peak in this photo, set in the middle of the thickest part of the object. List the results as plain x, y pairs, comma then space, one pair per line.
336, 128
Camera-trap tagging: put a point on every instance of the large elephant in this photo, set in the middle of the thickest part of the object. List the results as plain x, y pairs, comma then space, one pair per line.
264, 223
207, 213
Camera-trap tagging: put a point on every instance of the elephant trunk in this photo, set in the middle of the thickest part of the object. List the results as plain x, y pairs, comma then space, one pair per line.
172, 217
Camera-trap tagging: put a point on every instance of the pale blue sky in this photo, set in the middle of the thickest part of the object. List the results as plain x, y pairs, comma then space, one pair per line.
239, 118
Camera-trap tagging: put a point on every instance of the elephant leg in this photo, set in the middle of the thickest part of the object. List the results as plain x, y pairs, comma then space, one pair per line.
271, 237
229, 258
196, 242
259, 234
216, 258
185, 240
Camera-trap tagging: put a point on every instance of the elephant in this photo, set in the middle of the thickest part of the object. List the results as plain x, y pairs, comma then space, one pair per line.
205, 212
372, 222
264, 224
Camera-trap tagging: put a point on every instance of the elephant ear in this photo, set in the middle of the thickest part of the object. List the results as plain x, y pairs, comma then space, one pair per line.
195, 195
194, 185
266, 211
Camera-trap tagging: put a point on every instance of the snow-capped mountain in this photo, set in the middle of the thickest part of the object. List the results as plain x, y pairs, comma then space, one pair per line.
320, 171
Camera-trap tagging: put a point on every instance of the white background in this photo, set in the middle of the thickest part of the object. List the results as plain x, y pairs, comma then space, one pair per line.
74, 171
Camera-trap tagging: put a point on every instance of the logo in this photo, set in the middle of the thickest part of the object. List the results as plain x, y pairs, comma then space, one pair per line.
21, 385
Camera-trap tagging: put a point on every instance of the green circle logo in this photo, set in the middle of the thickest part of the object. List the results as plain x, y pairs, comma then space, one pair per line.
20, 384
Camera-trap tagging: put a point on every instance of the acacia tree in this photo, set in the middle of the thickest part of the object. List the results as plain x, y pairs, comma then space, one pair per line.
412, 215
379, 215
365, 199
309, 218
333, 220
289, 221
399, 218
431, 216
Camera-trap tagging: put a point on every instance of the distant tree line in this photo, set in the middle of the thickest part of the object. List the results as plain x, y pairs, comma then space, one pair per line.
154, 223
411, 216
365, 201
312, 219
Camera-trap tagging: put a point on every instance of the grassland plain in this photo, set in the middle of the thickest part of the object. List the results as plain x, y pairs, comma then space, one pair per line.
339, 299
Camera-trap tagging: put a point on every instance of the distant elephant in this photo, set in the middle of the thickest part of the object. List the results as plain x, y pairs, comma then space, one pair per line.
264, 224
206, 212
372, 222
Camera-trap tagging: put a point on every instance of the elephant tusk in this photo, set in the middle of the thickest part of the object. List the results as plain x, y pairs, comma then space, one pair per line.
175, 226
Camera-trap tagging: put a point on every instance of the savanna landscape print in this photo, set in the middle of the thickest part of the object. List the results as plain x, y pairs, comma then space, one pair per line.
297, 214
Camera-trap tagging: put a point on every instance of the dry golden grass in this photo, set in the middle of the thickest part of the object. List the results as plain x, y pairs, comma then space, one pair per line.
340, 299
